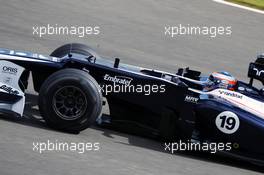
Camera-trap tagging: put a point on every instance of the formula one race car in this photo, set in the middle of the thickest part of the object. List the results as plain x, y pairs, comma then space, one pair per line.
73, 81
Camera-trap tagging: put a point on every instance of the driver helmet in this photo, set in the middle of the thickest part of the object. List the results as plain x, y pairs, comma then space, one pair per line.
223, 80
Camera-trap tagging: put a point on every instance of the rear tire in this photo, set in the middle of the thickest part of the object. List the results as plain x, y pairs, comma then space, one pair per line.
70, 100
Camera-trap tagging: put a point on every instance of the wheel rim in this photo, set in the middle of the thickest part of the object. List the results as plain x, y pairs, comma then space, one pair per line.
69, 102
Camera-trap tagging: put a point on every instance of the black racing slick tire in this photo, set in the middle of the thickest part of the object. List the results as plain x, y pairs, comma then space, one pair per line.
70, 100
74, 48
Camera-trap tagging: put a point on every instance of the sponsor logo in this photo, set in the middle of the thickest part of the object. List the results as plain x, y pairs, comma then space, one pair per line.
9, 90
230, 94
9, 70
118, 79
258, 72
191, 99
8, 80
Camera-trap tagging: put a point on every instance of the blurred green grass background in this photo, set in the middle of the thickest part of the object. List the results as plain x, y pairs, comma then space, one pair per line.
259, 4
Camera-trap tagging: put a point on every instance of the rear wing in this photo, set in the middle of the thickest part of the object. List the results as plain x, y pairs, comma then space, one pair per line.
256, 70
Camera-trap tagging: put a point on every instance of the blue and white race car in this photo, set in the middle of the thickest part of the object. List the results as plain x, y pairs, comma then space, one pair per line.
73, 81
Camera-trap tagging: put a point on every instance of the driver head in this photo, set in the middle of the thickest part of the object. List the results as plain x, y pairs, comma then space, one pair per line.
223, 80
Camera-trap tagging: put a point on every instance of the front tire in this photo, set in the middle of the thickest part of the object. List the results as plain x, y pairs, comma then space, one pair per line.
70, 100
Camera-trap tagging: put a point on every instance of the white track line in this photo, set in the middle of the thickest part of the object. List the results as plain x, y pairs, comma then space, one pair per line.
239, 6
